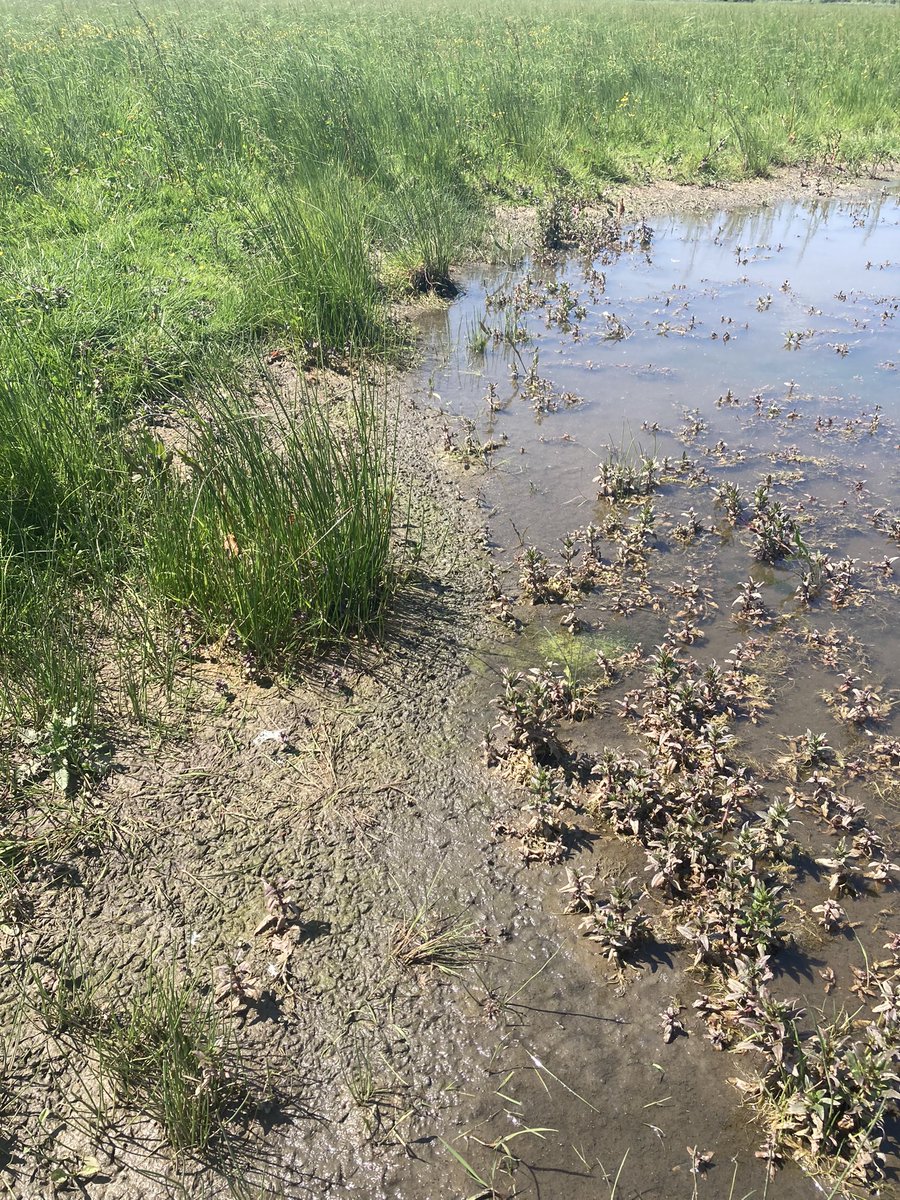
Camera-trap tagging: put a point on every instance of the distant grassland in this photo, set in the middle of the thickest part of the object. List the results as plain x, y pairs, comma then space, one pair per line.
190, 176
180, 184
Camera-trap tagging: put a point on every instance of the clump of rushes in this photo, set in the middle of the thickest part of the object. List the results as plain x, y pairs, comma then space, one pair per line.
169, 1055
313, 273
427, 226
279, 530
65, 994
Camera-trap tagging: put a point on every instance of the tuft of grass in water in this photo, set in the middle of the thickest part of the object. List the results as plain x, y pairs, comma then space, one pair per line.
624, 476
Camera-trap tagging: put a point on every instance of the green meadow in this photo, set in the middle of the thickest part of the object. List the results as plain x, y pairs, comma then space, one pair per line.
181, 191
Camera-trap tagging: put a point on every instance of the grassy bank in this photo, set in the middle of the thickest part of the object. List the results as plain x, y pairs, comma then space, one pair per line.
172, 180
179, 188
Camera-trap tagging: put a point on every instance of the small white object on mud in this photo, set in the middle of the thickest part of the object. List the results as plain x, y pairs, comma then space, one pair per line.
277, 736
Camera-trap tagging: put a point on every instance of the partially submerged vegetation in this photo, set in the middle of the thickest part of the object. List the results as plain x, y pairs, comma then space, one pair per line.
725, 846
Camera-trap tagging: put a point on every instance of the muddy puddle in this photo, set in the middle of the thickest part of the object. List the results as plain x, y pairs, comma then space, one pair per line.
686, 440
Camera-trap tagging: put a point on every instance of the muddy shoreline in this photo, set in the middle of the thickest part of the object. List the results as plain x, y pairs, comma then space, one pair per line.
631, 202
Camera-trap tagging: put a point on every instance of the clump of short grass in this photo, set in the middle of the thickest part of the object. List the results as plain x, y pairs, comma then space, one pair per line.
446, 943
169, 1055
65, 994
63, 749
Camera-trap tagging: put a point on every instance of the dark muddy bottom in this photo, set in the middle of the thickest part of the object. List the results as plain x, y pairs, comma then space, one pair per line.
749, 348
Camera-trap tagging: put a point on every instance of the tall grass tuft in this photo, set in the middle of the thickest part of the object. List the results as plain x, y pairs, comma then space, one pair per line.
425, 229
313, 273
279, 529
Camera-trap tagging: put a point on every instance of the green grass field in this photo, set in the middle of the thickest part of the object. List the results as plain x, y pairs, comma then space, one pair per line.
180, 188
